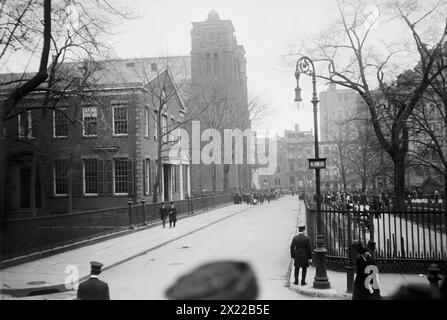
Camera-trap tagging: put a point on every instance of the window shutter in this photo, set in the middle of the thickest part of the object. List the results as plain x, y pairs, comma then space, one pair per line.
109, 176
144, 176
101, 176
78, 177
130, 175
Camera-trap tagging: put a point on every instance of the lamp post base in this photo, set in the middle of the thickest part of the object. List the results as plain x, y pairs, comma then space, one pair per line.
321, 280
350, 268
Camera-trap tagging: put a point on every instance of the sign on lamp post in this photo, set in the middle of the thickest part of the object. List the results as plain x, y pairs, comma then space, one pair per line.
319, 163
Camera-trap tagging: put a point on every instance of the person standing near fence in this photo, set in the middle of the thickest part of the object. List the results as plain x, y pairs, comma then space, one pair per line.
365, 283
163, 213
301, 252
172, 215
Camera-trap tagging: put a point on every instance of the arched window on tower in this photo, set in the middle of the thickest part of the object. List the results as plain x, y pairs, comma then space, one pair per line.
216, 63
208, 64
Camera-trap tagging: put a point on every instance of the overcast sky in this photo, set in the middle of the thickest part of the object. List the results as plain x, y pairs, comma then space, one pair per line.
266, 28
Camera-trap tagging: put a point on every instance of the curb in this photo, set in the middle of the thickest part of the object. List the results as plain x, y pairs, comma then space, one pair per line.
332, 294
59, 288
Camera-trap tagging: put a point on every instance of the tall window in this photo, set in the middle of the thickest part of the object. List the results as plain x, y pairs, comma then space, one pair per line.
121, 176
147, 176
120, 120
25, 125
91, 176
164, 127
61, 177
90, 120
146, 122
156, 128
60, 124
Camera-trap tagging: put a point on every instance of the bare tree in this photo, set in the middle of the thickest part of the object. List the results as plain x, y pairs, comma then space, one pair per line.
71, 30
219, 111
365, 155
167, 84
429, 125
370, 67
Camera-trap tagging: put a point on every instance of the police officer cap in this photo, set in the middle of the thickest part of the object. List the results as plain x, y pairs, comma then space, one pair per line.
96, 265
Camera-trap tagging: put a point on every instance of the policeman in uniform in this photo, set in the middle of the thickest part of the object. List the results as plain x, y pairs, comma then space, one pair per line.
301, 253
93, 288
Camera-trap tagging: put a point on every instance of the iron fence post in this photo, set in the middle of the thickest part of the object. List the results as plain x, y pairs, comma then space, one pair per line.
350, 267
143, 207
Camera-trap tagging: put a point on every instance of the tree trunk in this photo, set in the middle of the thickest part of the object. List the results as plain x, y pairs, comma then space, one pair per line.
157, 180
399, 179
445, 189
159, 163
43, 204
363, 185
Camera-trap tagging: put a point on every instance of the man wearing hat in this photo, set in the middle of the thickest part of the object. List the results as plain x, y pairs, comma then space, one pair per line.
172, 215
163, 213
93, 288
301, 253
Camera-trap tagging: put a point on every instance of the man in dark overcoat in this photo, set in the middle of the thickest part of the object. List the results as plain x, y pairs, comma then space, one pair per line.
93, 288
163, 213
301, 253
172, 215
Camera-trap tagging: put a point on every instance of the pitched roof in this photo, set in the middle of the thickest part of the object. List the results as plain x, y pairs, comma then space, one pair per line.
115, 72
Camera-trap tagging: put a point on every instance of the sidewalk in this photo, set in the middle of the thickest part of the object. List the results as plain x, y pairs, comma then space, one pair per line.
48, 273
388, 282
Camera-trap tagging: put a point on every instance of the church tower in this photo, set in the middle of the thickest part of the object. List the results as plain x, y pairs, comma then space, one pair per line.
216, 55
218, 60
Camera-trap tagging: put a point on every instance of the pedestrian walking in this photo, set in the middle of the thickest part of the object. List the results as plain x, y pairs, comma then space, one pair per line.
172, 215
365, 283
93, 288
163, 213
301, 252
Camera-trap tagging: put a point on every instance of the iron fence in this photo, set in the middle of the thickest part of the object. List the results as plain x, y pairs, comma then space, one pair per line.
412, 235
29, 235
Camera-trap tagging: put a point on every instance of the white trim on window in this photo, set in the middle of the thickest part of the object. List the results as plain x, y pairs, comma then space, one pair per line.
83, 178
147, 122
113, 177
83, 123
29, 128
54, 182
113, 121
54, 126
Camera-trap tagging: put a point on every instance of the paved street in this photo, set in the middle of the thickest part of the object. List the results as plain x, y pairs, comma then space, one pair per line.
260, 235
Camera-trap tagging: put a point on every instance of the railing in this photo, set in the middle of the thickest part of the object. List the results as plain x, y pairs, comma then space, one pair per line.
414, 234
24, 236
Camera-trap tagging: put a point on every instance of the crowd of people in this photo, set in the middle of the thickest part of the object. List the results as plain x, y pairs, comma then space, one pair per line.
255, 197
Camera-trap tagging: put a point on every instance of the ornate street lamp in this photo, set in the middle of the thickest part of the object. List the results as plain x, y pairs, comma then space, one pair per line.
305, 65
